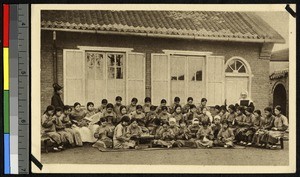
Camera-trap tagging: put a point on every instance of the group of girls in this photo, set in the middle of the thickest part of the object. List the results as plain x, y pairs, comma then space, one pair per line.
121, 127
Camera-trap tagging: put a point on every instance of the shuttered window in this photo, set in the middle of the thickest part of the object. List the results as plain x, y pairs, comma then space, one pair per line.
74, 77
215, 80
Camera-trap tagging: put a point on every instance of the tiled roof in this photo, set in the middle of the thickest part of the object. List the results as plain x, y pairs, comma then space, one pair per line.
211, 25
279, 74
280, 55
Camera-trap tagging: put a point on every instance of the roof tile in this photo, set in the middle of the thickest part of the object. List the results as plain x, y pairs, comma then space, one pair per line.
240, 25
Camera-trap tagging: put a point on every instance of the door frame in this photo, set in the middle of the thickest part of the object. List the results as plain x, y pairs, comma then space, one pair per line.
185, 53
249, 74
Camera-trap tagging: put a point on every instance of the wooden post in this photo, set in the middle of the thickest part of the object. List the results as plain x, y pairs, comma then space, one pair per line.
54, 54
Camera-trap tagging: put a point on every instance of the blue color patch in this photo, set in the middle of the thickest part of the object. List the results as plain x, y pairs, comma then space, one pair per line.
6, 154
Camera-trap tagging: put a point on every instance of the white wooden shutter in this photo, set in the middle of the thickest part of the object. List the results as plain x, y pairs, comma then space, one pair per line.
159, 78
215, 80
74, 75
135, 77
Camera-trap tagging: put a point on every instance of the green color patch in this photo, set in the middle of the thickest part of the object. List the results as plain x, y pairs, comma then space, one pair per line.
6, 111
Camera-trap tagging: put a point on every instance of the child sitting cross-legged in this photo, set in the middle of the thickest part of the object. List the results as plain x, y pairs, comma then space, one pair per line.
164, 115
48, 128
150, 117
184, 135
205, 136
225, 136
65, 136
66, 121
192, 114
134, 131
102, 132
120, 139
166, 137
216, 126
140, 116
177, 114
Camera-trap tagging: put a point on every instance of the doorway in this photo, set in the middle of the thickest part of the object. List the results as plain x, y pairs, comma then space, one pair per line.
279, 97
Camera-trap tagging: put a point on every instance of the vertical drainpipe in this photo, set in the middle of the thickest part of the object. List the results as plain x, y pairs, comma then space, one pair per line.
54, 54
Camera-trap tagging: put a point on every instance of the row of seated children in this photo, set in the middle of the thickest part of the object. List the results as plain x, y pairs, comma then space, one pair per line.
74, 126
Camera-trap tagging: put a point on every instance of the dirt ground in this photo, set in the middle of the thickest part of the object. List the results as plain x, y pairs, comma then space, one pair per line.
247, 156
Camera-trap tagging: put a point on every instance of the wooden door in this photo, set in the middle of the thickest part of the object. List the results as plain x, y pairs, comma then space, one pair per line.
215, 80
94, 76
115, 76
160, 78
195, 78
74, 77
136, 77
234, 86
178, 77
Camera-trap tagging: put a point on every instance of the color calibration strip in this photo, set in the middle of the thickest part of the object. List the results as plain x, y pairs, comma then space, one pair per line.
6, 88
13, 88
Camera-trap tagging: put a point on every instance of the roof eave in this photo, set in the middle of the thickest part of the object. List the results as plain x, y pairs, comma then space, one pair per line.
191, 37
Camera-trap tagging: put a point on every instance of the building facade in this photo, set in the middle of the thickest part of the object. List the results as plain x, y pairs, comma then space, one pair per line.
104, 54
279, 80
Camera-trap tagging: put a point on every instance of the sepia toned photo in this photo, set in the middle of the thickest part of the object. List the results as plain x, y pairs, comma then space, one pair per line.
176, 89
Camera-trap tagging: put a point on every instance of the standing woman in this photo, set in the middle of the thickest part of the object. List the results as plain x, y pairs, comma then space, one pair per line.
56, 99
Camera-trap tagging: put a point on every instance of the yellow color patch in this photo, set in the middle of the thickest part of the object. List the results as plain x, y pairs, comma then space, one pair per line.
6, 68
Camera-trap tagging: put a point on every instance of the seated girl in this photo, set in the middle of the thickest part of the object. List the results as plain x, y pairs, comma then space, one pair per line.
81, 124
173, 126
191, 114
260, 137
156, 128
186, 107
205, 116
48, 128
147, 105
172, 106
123, 112
102, 132
248, 123
92, 118
166, 137
120, 140
150, 117
163, 103
66, 137
239, 127
68, 124
231, 116
204, 136
103, 105
132, 106
111, 114
177, 114
216, 111
216, 126
225, 136
141, 118
257, 124
279, 127
90, 110
164, 115
184, 135
194, 127
223, 113
134, 131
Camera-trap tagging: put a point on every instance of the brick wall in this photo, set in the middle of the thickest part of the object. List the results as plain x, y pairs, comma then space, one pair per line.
249, 51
